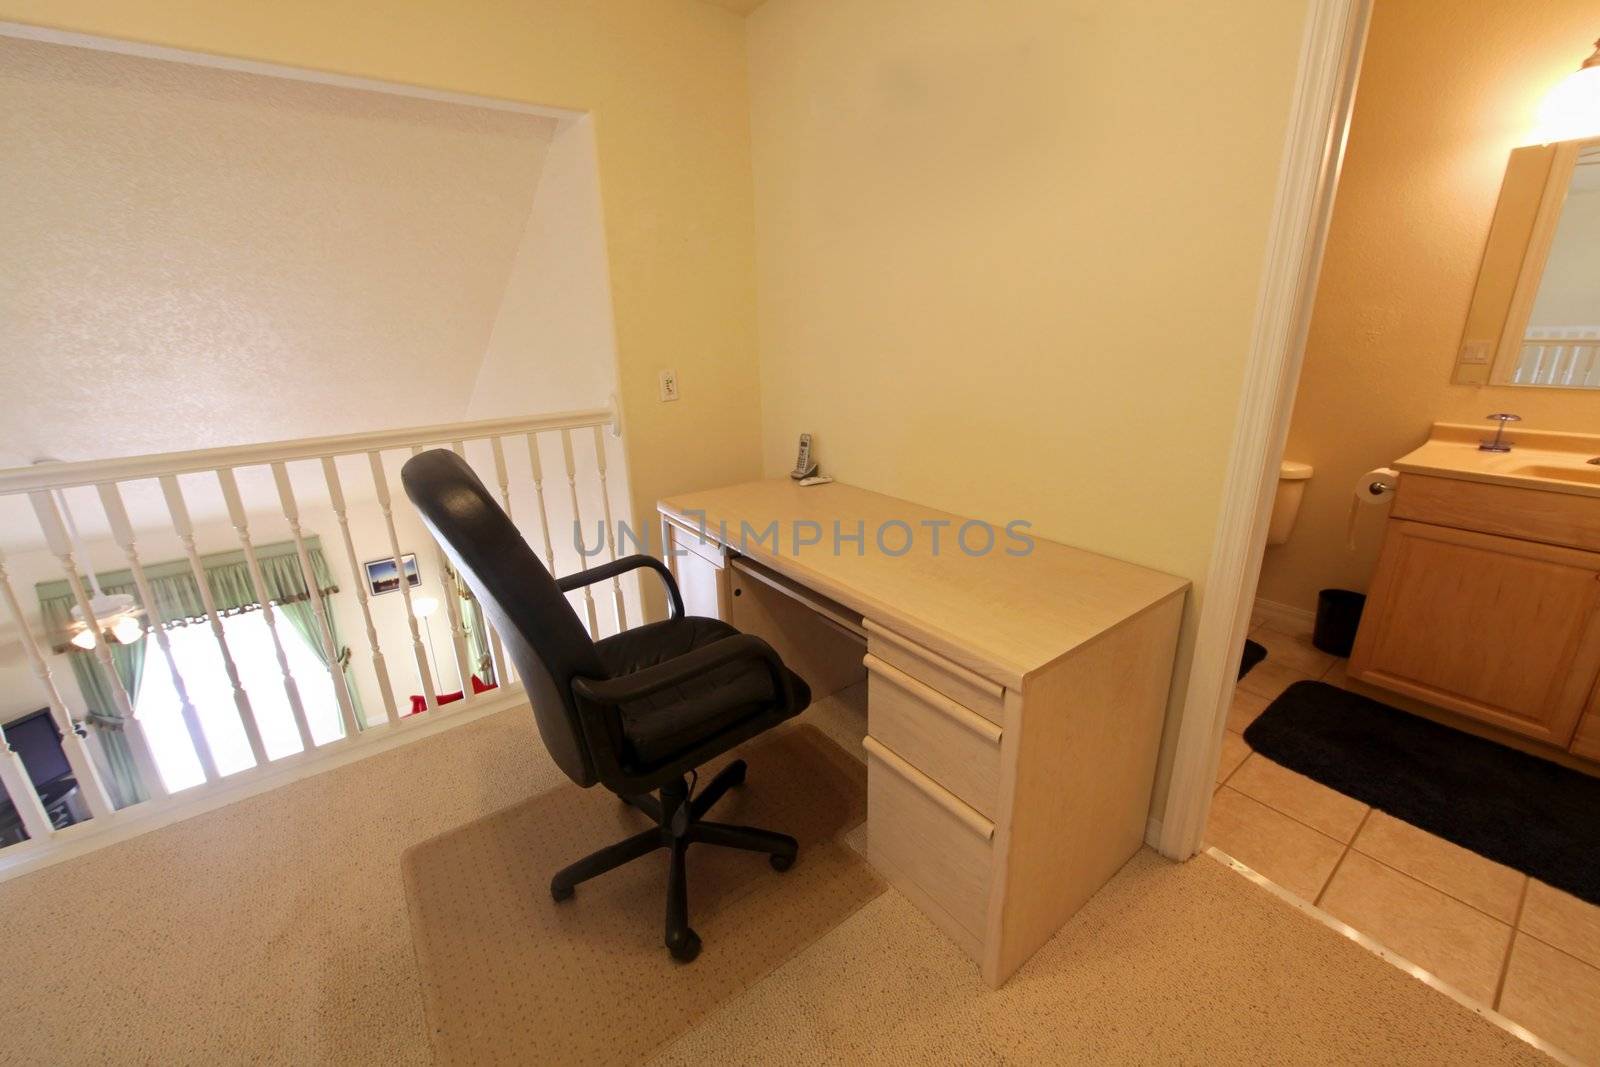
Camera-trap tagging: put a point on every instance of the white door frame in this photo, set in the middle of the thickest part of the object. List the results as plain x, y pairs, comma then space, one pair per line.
1330, 60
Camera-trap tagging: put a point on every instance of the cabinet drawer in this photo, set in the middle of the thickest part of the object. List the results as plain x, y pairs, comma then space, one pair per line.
1507, 510
952, 744
937, 672
928, 843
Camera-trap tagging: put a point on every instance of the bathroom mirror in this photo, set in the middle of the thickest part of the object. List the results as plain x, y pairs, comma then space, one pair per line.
1535, 315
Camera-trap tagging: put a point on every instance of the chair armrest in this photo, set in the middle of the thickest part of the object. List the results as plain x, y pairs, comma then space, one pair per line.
690, 665
622, 566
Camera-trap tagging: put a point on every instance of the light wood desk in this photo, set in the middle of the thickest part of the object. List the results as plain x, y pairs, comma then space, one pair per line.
1015, 701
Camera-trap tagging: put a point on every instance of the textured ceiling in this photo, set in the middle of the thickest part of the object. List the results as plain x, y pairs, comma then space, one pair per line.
192, 257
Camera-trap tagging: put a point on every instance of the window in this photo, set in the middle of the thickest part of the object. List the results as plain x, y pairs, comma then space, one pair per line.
199, 660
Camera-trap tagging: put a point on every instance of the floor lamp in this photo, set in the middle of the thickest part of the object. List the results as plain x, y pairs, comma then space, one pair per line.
422, 607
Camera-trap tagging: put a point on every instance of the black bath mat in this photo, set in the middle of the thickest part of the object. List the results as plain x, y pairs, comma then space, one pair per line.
1514, 808
1253, 654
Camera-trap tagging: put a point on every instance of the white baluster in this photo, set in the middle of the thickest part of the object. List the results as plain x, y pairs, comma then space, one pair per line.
330, 647
502, 668
122, 533
380, 484
577, 525
241, 525
538, 492
179, 511
55, 535
72, 743
611, 540
452, 608
330, 471
24, 797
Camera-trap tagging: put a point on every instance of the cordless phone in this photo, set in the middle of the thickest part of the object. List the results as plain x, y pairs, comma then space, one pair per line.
803, 466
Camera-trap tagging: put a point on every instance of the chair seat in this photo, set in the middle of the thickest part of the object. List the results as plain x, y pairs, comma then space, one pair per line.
675, 719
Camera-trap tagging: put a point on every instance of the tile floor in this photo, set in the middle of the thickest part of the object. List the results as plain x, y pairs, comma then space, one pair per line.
1514, 943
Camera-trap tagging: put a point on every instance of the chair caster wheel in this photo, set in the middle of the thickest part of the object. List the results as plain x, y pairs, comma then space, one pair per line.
780, 862
686, 947
560, 892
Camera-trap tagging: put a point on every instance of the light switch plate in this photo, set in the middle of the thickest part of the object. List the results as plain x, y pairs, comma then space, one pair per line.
1475, 352
669, 385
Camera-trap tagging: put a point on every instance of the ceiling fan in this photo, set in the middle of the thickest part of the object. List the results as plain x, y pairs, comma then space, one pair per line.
116, 616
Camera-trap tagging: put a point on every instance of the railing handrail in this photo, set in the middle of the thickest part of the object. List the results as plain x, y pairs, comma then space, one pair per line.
98, 471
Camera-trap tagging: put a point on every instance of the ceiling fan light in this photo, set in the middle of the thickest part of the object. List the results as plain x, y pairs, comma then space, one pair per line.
84, 638
127, 630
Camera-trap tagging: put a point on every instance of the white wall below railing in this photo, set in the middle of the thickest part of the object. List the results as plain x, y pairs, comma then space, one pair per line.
551, 470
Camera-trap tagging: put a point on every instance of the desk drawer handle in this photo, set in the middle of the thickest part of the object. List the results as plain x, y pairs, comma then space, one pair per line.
983, 685
933, 698
934, 791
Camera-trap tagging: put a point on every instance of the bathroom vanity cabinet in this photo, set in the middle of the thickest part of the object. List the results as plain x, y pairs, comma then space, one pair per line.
1486, 602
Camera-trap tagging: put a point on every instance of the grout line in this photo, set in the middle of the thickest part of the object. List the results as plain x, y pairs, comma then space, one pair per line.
1426, 977
1380, 861
1349, 847
1579, 960
1229, 776
1511, 942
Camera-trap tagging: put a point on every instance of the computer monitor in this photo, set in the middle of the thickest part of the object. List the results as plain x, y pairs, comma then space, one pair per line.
35, 738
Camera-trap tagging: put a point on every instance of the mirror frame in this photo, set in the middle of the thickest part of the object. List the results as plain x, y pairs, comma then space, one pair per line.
1532, 197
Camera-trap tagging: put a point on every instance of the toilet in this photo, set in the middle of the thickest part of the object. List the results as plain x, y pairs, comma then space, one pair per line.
1292, 478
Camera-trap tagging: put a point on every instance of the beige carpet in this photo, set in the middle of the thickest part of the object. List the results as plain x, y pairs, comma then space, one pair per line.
275, 931
511, 976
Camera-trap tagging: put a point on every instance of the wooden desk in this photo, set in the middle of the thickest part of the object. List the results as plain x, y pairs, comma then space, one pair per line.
1015, 699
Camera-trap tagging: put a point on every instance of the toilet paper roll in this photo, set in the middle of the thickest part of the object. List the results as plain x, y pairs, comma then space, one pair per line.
1374, 487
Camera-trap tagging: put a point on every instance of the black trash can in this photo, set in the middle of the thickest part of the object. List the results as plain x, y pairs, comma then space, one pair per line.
1338, 618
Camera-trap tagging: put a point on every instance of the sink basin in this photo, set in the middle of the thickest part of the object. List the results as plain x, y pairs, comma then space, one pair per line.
1584, 475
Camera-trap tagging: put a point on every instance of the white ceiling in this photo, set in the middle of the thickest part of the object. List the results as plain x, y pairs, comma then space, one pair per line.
192, 257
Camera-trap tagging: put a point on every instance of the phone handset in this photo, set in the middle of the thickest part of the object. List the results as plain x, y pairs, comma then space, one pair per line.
804, 467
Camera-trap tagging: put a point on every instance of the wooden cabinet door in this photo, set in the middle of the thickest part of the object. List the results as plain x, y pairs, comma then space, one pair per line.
1503, 630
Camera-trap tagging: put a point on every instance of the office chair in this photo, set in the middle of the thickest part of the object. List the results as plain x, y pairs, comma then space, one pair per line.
636, 712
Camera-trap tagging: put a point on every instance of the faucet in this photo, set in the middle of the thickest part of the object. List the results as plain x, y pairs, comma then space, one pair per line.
1498, 445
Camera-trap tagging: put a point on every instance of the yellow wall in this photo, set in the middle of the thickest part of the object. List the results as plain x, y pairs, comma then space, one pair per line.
666, 83
1446, 91
1008, 254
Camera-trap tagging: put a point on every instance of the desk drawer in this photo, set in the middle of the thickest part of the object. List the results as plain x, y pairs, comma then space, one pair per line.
953, 745
684, 537
928, 843
937, 672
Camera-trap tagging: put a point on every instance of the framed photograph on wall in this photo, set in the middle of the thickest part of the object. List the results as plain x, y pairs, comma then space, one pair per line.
382, 577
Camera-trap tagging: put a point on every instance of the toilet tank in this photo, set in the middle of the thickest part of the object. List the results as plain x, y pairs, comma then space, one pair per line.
1292, 478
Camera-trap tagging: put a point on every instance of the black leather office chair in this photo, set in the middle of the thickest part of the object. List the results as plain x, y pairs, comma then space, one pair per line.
636, 712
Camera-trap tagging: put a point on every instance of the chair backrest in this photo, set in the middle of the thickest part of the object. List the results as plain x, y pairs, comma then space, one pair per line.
540, 631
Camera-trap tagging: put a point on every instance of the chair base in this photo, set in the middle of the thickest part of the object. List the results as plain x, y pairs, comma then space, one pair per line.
680, 823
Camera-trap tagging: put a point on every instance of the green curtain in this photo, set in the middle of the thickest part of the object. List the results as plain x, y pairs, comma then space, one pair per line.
477, 628
126, 785
178, 601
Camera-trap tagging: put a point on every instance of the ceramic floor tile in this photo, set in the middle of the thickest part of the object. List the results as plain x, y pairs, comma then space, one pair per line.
1299, 797
1244, 708
1555, 995
1294, 651
1562, 920
1268, 679
1449, 868
1295, 856
1234, 751
1461, 945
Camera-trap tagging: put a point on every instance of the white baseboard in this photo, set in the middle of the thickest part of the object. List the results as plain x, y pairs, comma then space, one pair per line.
1297, 622
1152, 832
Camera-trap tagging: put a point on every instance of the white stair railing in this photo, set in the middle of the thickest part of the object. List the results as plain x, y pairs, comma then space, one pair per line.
268, 497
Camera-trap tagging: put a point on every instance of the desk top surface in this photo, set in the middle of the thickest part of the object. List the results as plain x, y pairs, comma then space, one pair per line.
1005, 612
